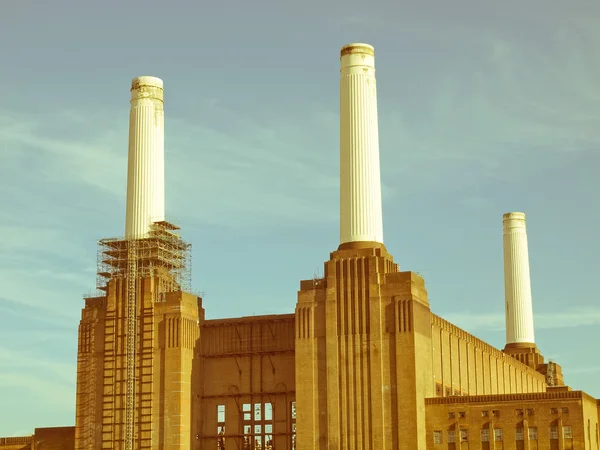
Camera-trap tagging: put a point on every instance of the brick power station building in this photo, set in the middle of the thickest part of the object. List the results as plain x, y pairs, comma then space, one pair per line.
362, 363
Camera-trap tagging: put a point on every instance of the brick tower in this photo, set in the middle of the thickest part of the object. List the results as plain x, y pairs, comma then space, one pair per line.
363, 332
137, 340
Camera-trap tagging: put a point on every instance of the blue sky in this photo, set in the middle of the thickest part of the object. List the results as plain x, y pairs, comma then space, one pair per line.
484, 108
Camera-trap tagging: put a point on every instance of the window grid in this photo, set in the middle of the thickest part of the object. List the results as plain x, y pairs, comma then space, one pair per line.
437, 437
497, 434
519, 434
485, 435
553, 432
220, 427
464, 435
258, 426
293, 414
451, 436
533, 433
567, 432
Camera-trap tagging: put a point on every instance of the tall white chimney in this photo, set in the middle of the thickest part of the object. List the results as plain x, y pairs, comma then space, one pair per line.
517, 283
360, 184
146, 168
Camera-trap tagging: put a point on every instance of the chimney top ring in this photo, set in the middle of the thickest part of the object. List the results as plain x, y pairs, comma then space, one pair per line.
357, 48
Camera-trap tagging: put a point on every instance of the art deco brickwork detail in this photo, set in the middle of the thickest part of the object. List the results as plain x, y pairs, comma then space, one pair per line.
355, 363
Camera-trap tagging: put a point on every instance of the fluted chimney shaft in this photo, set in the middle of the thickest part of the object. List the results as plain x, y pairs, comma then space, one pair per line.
146, 167
517, 283
360, 185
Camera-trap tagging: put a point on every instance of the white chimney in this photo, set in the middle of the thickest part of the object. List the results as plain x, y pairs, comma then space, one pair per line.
517, 283
360, 184
146, 168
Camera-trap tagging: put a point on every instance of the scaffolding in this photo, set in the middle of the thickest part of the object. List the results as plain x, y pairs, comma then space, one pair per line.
132, 280
161, 254
550, 374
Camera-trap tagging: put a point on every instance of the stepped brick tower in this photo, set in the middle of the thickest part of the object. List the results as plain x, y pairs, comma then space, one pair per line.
363, 332
137, 340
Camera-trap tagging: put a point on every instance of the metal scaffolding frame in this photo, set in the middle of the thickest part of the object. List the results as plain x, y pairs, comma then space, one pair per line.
162, 253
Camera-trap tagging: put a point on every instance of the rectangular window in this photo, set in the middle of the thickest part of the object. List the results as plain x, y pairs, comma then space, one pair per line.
484, 413
451, 415
268, 411
530, 411
565, 410
247, 410
437, 437
519, 412
496, 413
464, 435
257, 411
567, 432
497, 434
553, 432
220, 426
519, 434
220, 413
533, 433
485, 435
553, 410
451, 436
462, 414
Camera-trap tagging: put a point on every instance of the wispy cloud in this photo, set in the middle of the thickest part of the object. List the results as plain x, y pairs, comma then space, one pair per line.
574, 318
55, 386
584, 370
500, 100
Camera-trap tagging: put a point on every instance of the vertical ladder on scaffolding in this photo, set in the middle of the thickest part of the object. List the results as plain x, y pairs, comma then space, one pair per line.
130, 403
90, 411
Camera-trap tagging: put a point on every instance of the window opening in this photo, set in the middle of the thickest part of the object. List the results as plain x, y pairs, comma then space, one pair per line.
293, 413
567, 432
533, 433
497, 434
519, 434
485, 435
220, 427
451, 436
